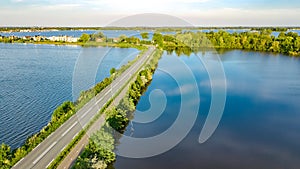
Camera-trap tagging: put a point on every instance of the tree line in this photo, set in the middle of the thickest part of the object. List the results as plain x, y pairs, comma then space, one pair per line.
286, 43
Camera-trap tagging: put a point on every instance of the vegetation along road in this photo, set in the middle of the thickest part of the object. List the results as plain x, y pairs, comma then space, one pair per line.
49, 149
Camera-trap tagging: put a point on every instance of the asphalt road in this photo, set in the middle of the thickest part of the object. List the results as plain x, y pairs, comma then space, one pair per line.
50, 148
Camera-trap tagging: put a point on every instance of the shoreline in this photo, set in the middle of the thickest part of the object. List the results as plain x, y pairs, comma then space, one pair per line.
84, 45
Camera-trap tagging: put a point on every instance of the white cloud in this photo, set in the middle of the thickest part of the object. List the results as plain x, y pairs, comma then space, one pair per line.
242, 17
134, 6
83, 13
59, 6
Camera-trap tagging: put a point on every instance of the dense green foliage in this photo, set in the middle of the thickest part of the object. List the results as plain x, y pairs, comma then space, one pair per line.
112, 71
5, 156
95, 36
86, 96
277, 29
84, 38
117, 119
145, 35
99, 153
130, 40
285, 43
63, 112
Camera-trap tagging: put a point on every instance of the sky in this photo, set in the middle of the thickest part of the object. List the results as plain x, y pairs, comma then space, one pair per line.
108, 12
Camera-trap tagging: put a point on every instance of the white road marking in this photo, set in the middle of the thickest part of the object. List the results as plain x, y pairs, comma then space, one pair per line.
98, 101
19, 161
69, 129
86, 112
36, 147
74, 136
49, 163
63, 148
46, 151
107, 92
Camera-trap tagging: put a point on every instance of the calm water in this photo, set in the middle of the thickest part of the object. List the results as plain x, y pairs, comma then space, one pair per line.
260, 125
77, 33
35, 79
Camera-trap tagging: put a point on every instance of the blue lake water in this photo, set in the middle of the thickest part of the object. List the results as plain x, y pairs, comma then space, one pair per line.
261, 121
108, 33
35, 79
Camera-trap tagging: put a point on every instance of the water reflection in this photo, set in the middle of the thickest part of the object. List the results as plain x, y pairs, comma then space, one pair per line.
260, 126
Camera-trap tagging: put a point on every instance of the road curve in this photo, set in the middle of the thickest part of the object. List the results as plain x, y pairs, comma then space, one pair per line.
50, 148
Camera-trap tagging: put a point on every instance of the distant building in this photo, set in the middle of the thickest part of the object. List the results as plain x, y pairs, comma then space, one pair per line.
26, 38
115, 40
99, 40
13, 37
39, 38
63, 38
26, 30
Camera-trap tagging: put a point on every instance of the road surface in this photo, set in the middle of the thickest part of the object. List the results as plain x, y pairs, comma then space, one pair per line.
50, 148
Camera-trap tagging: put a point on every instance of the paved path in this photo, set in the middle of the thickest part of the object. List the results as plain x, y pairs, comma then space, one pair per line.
50, 148
75, 152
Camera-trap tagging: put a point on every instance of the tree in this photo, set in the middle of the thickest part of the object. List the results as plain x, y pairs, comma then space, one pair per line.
297, 44
145, 35
84, 38
63, 111
133, 40
122, 38
126, 104
99, 152
5, 156
158, 39
112, 71
98, 35
117, 119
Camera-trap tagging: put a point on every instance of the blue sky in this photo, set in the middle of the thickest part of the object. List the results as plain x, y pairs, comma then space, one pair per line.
103, 12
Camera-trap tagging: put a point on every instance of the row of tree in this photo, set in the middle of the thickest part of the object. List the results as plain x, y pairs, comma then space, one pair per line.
285, 43
91, 37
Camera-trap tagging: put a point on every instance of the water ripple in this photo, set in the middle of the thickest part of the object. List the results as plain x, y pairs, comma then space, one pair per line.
34, 80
